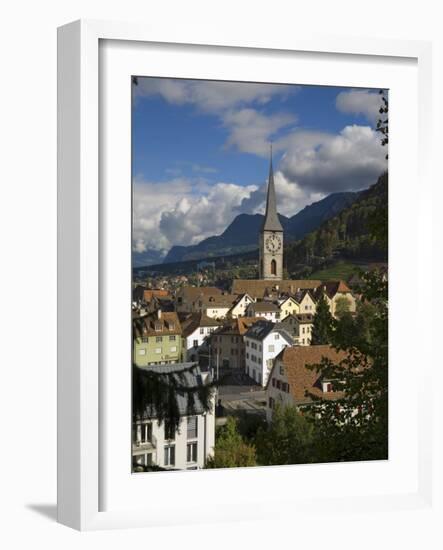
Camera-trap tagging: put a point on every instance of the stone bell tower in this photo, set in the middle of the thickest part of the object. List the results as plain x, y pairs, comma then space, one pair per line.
271, 236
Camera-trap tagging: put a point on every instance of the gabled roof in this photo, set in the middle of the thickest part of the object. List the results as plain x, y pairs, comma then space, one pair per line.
193, 321
194, 292
257, 288
301, 379
260, 330
264, 306
331, 288
237, 327
157, 324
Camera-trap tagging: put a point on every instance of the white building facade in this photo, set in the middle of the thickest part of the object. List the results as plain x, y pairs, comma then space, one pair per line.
263, 342
187, 448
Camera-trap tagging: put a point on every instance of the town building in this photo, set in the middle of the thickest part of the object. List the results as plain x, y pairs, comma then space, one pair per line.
227, 347
259, 289
239, 306
291, 383
157, 339
187, 297
338, 295
271, 236
288, 306
187, 448
265, 310
299, 326
196, 329
208, 300
306, 301
263, 342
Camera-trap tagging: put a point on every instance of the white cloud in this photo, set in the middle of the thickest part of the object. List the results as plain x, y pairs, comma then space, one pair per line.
251, 131
182, 212
326, 163
360, 102
291, 198
210, 96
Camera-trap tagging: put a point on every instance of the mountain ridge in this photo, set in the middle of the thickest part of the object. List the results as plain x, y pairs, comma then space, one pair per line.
242, 233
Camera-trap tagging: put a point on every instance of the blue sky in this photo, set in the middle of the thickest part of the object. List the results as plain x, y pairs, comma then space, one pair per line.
201, 152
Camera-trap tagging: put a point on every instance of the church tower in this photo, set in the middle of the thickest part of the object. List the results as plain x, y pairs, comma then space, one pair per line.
271, 236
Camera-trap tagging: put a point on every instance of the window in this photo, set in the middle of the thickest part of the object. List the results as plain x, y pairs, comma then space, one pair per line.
172, 338
191, 452
278, 384
271, 403
273, 382
192, 427
173, 349
142, 352
158, 350
195, 344
145, 340
169, 431
159, 339
271, 348
273, 267
170, 455
276, 336
146, 432
282, 370
202, 330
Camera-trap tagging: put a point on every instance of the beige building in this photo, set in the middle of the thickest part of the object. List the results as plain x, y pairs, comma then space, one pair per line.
227, 343
337, 295
288, 306
299, 327
239, 306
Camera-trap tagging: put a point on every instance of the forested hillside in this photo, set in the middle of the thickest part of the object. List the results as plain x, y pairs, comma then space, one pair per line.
357, 232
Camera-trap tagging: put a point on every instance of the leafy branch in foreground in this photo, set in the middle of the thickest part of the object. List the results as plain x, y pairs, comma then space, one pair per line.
355, 425
169, 395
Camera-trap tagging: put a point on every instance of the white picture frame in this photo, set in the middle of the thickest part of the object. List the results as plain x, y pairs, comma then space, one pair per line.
81, 209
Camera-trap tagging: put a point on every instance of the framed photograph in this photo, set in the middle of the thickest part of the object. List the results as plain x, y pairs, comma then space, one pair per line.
235, 225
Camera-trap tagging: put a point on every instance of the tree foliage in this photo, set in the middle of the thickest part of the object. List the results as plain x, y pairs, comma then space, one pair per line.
323, 324
287, 440
230, 450
157, 394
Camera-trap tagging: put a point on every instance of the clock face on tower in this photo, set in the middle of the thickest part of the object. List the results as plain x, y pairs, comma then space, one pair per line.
273, 243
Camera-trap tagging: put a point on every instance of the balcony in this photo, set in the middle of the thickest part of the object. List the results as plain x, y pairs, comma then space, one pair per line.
144, 445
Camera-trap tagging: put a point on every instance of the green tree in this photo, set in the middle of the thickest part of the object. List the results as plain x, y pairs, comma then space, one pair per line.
157, 394
230, 450
355, 427
323, 323
287, 440
342, 306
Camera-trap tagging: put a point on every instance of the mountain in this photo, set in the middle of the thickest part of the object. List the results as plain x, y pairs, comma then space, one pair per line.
243, 233
315, 214
149, 257
357, 232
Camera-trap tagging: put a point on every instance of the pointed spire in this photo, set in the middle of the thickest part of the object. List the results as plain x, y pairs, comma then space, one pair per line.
271, 221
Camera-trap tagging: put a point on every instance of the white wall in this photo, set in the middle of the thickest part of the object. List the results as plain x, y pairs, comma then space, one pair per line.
259, 370
27, 220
